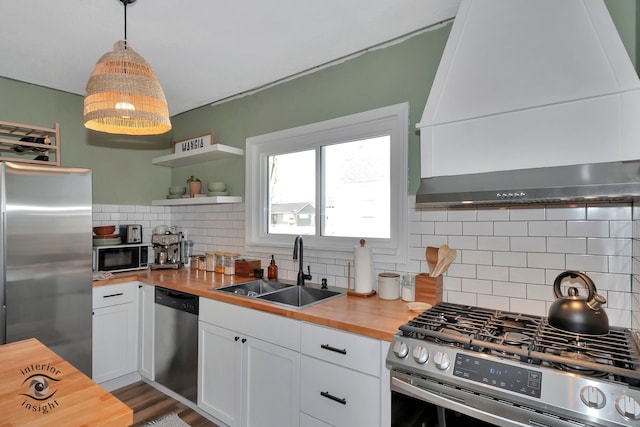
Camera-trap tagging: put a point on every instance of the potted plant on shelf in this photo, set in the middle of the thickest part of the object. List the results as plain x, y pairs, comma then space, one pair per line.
195, 185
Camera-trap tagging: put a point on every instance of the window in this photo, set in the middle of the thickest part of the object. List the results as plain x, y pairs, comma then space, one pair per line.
333, 182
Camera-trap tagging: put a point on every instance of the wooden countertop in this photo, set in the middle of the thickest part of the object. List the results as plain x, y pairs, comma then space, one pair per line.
371, 316
39, 388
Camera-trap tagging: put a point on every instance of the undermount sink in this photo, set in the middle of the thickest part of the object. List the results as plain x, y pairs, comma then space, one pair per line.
281, 293
253, 288
300, 296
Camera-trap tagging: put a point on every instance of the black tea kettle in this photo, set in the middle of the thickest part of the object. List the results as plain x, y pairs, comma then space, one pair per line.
574, 313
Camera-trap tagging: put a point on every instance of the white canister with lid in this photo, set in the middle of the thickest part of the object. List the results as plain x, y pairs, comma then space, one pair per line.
388, 286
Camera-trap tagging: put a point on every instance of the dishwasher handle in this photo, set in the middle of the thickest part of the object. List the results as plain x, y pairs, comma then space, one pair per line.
177, 300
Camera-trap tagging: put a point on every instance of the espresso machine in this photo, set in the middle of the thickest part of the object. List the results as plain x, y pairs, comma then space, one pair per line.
167, 250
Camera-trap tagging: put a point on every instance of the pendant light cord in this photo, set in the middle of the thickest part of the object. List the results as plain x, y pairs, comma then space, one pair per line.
125, 23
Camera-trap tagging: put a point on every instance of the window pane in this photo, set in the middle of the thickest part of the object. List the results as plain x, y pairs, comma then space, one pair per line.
292, 194
357, 188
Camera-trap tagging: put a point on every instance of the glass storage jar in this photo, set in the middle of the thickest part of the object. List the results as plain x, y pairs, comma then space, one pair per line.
220, 260
408, 288
211, 261
230, 263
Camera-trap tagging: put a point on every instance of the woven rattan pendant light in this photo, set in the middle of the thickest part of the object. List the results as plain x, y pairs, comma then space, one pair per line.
123, 94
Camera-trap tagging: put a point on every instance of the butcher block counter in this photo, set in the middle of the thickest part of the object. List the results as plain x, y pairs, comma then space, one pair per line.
370, 316
39, 388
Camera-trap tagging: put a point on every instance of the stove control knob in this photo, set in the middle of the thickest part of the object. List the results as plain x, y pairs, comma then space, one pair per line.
420, 355
442, 360
628, 407
593, 397
400, 349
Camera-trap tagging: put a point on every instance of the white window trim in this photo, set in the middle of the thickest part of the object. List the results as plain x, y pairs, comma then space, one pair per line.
393, 119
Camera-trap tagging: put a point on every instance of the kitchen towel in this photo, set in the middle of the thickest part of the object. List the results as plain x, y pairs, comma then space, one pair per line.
364, 269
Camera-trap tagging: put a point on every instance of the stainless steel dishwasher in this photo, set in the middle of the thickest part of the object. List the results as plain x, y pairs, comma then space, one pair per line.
176, 342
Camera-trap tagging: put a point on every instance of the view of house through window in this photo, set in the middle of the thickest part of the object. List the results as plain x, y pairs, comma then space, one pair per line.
353, 182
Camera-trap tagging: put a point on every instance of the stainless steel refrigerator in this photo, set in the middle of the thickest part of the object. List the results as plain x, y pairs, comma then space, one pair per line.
45, 258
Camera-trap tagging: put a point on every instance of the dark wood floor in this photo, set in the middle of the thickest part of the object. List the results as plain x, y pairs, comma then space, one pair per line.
149, 404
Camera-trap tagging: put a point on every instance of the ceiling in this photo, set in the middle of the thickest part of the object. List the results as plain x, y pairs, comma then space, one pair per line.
202, 51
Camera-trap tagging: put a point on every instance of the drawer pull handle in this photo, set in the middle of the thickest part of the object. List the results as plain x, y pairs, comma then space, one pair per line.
114, 295
337, 350
332, 397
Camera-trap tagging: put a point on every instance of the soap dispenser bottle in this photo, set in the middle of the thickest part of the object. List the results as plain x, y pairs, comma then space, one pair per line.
272, 270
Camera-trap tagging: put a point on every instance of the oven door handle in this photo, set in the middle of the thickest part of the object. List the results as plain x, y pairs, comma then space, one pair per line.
425, 395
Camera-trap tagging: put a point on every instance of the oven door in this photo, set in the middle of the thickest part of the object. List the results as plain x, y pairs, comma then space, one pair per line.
422, 403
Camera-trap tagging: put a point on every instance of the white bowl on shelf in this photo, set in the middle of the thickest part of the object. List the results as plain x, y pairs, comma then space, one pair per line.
217, 187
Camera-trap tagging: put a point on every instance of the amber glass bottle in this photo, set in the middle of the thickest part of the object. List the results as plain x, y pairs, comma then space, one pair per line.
272, 270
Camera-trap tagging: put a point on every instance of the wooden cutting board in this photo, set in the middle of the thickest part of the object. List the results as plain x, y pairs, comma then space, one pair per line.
39, 388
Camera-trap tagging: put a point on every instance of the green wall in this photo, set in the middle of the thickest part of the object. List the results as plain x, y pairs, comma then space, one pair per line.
399, 73
121, 166
122, 169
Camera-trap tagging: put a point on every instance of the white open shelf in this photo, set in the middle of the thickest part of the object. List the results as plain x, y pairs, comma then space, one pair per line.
212, 152
214, 200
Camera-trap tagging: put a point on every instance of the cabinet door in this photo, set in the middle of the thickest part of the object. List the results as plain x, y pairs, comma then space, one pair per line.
272, 381
146, 312
219, 373
115, 341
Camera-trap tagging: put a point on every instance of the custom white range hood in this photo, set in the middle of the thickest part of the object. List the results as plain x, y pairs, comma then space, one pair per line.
529, 84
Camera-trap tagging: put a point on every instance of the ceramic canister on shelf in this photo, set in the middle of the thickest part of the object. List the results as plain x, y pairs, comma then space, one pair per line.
388, 286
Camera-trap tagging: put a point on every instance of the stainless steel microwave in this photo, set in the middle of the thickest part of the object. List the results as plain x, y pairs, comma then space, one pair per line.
120, 257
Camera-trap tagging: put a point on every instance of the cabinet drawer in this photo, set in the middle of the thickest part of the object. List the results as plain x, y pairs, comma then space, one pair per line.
265, 326
106, 296
343, 348
337, 395
307, 421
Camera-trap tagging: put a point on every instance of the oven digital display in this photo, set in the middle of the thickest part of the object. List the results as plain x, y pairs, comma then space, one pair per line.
496, 374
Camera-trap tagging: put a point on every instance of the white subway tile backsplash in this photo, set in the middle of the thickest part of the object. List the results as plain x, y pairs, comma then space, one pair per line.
619, 247
463, 242
449, 228
510, 289
477, 228
486, 243
507, 259
510, 228
545, 260
547, 228
434, 214
510, 259
621, 229
493, 214
587, 263
528, 244
477, 257
526, 275
477, 286
609, 212
620, 264
461, 215
567, 245
526, 213
577, 212
588, 229
488, 272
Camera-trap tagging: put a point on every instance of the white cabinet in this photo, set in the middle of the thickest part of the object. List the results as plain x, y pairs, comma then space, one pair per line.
115, 331
146, 304
249, 366
340, 378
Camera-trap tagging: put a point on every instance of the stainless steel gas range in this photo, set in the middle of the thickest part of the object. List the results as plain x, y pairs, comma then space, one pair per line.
460, 365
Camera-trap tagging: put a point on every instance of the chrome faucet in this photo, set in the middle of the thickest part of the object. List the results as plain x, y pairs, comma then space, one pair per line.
301, 274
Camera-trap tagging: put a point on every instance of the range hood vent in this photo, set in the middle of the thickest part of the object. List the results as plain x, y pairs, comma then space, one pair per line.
525, 86
601, 182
